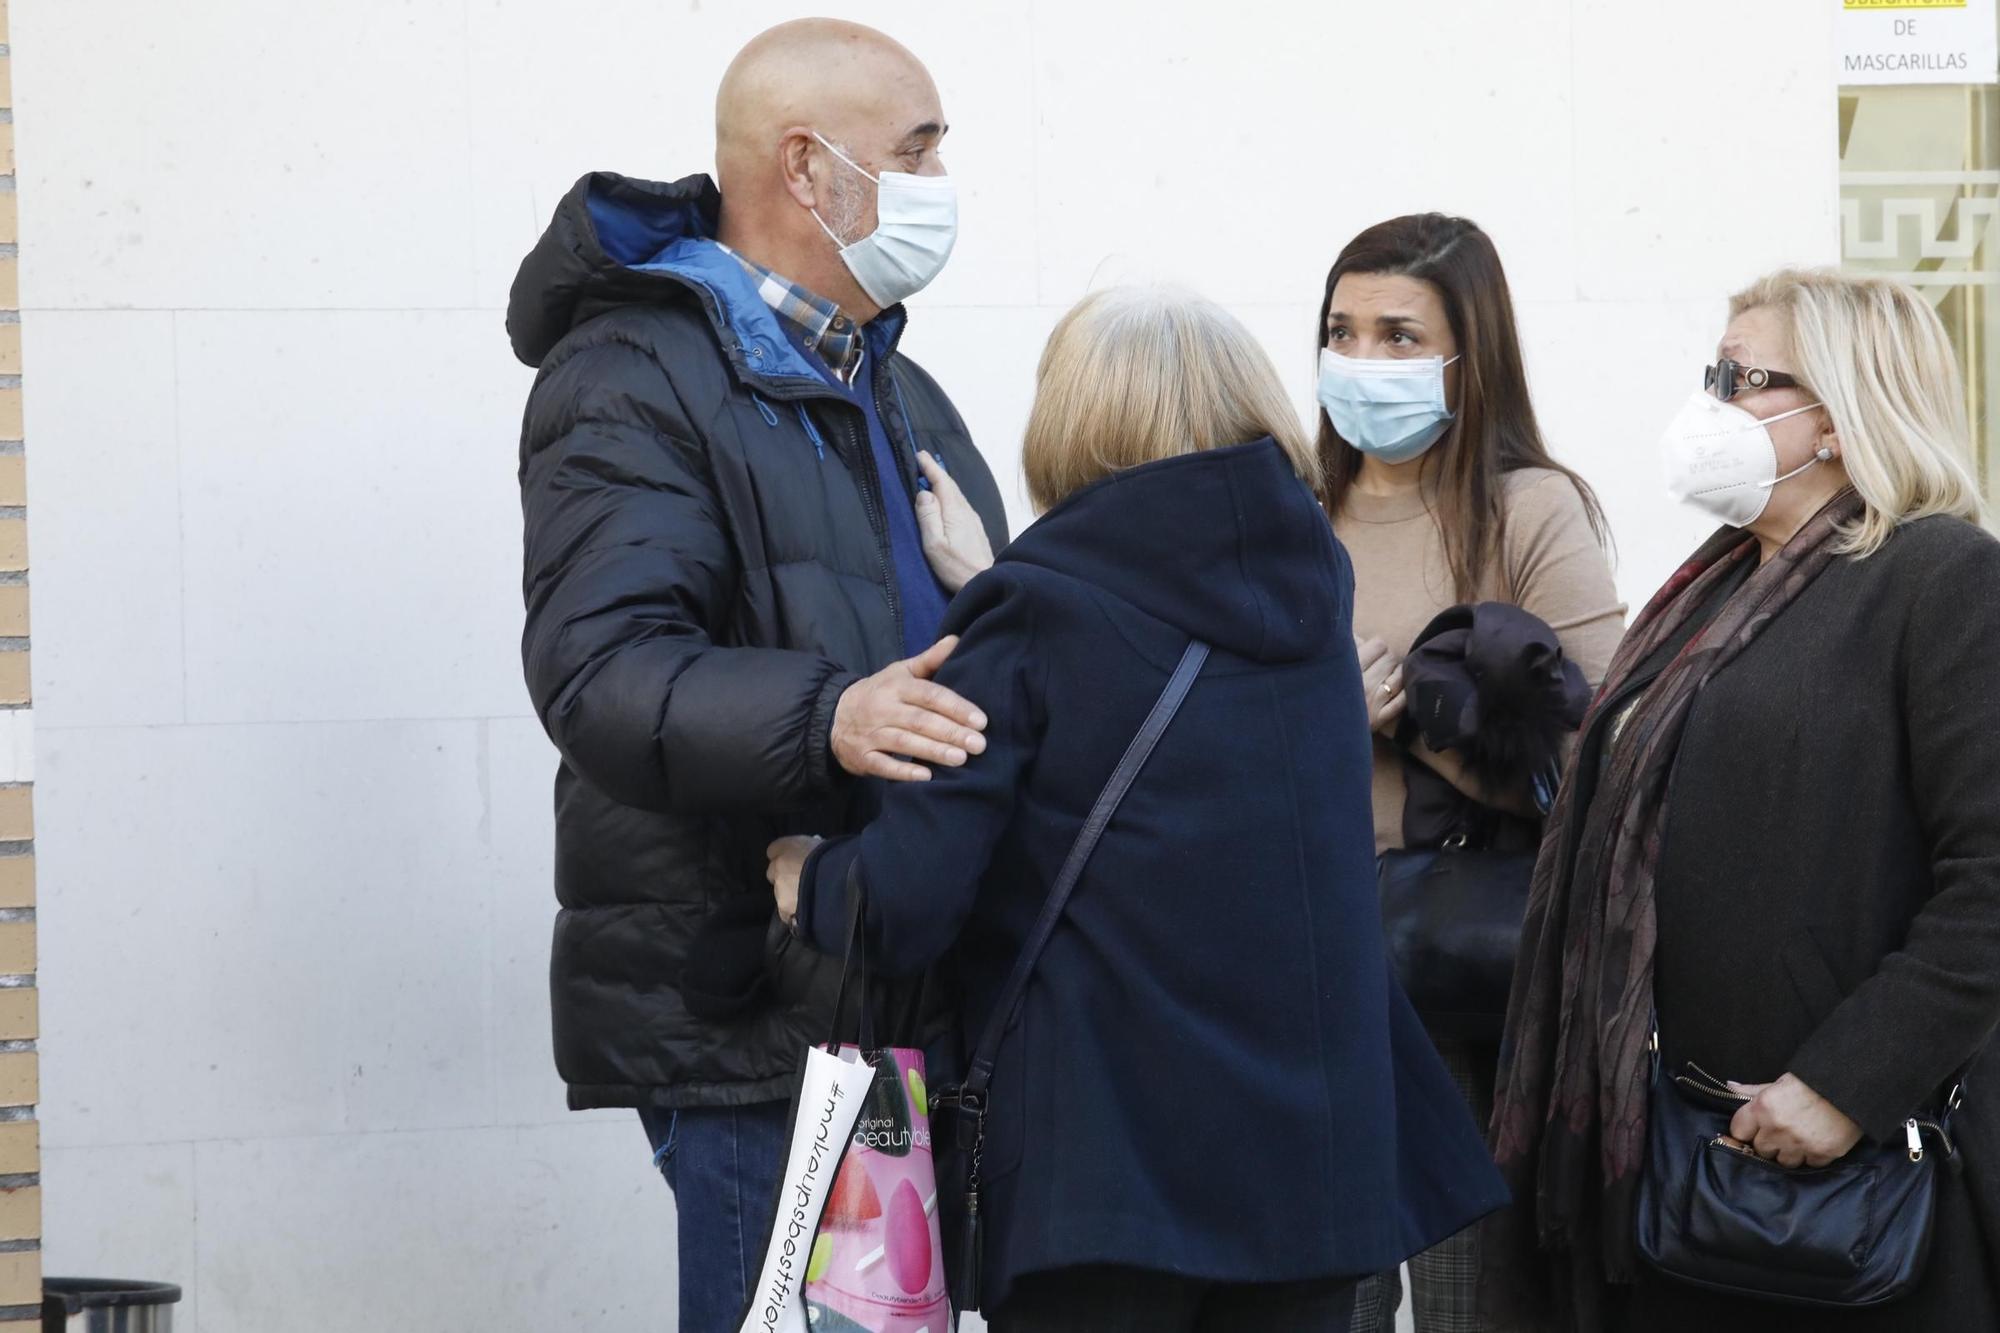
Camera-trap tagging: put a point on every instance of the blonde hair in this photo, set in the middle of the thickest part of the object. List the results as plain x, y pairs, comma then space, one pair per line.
1875, 354
1133, 375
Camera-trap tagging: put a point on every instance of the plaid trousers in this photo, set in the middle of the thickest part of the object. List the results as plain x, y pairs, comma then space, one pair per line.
1445, 1277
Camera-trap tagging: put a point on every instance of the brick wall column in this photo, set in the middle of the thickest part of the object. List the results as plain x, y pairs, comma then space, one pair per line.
20, 1140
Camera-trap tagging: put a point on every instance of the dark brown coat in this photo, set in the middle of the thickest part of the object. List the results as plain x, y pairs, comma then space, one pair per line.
1829, 888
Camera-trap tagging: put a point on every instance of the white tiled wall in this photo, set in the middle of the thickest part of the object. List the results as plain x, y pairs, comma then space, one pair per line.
350, 519
107, 590
293, 811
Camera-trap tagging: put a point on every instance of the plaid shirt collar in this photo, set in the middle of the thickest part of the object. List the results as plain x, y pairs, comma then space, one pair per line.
818, 322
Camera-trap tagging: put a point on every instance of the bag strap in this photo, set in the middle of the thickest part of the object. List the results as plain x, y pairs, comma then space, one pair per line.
987, 1052
855, 961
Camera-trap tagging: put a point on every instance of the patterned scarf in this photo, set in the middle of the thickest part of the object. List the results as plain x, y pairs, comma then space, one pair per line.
1569, 1118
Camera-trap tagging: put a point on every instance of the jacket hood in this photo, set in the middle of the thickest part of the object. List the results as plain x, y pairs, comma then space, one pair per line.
1228, 546
619, 241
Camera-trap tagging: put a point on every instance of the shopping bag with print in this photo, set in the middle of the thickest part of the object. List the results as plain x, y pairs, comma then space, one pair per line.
831, 1093
877, 1263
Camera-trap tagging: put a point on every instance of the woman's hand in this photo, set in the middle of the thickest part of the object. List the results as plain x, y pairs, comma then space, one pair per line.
1382, 680
788, 862
1790, 1124
954, 539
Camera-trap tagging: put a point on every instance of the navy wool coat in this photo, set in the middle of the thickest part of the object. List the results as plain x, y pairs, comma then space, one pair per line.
1214, 1073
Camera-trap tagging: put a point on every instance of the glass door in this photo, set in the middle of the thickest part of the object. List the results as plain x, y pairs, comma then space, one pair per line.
1920, 202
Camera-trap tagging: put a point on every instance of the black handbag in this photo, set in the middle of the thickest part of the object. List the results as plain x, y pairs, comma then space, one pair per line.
1853, 1233
1452, 919
1490, 684
968, 1102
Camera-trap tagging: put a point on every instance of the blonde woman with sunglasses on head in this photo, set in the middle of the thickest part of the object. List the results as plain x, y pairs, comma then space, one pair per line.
1769, 898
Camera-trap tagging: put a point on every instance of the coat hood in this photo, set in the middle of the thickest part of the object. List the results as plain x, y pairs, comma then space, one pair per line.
1227, 545
617, 241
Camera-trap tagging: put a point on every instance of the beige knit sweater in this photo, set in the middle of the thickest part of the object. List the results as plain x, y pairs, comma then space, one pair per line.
1552, 566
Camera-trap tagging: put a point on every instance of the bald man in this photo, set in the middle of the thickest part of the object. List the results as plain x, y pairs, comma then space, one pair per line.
731, 616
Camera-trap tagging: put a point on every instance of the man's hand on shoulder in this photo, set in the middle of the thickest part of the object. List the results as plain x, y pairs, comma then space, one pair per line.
898, 720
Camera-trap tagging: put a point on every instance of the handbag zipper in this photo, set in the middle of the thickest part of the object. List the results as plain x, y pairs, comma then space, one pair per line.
1912, 1132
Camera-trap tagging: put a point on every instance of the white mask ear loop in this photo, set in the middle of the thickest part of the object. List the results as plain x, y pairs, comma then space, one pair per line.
1823, 455
830, 234
844, 157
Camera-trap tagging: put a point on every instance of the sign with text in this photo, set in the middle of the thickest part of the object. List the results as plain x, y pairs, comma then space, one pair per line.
1919, 41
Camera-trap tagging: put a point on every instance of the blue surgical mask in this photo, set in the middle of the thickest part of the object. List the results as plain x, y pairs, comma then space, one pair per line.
916, 225
1392, 408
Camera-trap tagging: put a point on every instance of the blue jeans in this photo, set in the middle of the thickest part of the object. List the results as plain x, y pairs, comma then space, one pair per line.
723, 1166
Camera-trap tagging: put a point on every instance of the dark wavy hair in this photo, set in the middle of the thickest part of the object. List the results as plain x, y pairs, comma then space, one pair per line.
1493, 431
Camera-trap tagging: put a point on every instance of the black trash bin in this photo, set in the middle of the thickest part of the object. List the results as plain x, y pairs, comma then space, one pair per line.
107, 1305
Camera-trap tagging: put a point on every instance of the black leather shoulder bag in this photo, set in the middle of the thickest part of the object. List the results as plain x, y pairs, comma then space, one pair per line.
1451, 917
1490, 684
1853, 1233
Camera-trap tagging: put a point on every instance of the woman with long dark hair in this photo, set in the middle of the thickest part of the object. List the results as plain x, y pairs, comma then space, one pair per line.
1443, 492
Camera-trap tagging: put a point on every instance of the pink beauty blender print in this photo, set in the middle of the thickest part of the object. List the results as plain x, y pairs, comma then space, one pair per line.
907, 1240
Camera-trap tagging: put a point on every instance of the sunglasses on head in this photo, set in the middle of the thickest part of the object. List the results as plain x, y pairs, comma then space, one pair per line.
1725, 379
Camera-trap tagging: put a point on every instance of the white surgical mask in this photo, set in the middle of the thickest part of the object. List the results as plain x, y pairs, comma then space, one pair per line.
1391, 407
916, 225
1720, 458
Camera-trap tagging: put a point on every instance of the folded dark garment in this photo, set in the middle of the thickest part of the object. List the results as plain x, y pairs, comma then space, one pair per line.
1491, 682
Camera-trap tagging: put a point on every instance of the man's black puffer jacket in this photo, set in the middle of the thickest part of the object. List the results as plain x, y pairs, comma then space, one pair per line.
706, 569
